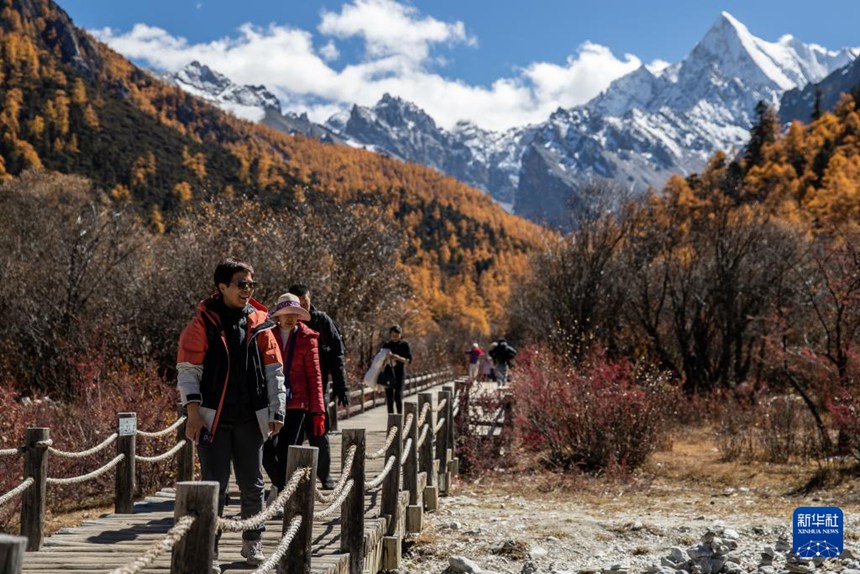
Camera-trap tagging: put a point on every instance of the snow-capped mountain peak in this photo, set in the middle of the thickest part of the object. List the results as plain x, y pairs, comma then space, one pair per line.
247, 102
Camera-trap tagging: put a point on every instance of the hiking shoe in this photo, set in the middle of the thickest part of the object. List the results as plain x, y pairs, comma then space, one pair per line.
252, 552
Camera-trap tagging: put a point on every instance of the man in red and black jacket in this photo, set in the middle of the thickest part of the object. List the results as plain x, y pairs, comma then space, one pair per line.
231, 380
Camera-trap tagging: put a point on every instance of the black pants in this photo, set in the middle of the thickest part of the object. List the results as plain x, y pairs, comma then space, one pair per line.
321, 442
394, 397
275, 449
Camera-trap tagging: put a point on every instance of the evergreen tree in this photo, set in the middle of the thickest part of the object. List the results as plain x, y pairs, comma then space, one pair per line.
764, 131
817, 109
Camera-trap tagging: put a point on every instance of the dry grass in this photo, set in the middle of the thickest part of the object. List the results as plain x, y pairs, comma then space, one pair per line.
690, 471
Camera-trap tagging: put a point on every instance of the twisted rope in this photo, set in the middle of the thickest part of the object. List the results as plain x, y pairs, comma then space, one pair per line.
16, 491
442, 404
163, 456
378, 480
406, 450
260, 518
392, 432
65, 454
164, 432
44, 443
423, 436
94, 474
456, 410
283, 545
159, 547
407, 424
335, 506
344, 476
438, 426
423, 418
11, 451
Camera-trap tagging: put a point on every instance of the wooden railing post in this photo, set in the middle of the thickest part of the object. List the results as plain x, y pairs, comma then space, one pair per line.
454, 463
33, 499
414, 510
442, 440
428, 449
12, 553
352, 512
185, 456
125, 444
195, 552
297, 560
391, 484
410, 468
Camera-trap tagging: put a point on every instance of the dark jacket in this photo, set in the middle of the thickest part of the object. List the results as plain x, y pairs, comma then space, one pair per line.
331, 349
303, 372
400, 348
503, 352
204, 364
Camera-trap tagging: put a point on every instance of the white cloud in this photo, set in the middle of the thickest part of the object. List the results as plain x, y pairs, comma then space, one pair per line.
398, 42
329, 52
657, 66
390, 28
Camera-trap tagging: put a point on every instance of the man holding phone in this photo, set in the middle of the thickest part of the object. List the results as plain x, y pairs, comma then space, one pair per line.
231, 380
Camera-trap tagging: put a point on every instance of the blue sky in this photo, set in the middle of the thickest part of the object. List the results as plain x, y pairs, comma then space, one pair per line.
498, 63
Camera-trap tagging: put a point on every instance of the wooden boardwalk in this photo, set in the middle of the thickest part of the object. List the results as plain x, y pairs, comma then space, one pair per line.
114, 540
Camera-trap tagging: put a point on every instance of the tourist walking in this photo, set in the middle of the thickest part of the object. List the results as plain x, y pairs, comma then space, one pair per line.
332, 364
395, 370
503, 354
231, 382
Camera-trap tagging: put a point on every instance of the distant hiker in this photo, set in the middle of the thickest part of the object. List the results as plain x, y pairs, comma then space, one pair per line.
331, 351
230, 379
503, 354
487, 373
399, 356
474, 357
305, 410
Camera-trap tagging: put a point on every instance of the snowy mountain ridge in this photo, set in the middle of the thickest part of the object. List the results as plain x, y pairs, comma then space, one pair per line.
644, 127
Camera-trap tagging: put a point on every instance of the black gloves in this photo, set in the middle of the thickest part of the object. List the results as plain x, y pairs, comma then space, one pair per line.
341, 396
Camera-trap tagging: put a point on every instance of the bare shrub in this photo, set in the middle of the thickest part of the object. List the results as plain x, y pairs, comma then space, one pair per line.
605, 416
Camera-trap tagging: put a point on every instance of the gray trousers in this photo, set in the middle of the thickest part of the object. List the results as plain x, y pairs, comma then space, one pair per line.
501, 373
243, 445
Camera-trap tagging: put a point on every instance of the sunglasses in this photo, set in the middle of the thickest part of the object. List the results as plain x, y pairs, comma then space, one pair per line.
246, 284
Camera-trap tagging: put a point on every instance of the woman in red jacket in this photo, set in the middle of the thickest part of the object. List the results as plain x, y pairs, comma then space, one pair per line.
303, 380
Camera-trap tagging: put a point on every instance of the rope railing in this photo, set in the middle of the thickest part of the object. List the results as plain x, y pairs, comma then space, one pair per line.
422, 418
344, 477
260, 518
159, 547
378, 480
335, 506
84, 453
442, 404
12, 451
164, 432
163, 456
407, 448
439, 425
83, 478
271, 564
407, 424
16, 491
424, 431
392, 432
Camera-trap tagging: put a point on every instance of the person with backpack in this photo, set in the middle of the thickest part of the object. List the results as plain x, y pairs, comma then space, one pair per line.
332, 363
503, 355
231, 381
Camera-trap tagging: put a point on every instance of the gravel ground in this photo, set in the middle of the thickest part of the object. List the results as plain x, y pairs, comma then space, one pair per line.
666, 528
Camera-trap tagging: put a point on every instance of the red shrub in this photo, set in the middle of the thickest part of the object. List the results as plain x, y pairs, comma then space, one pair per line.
605, 415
